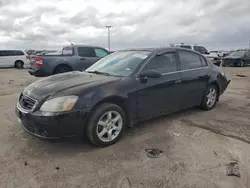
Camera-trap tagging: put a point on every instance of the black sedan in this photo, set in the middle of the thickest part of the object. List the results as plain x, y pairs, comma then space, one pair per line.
119, 91
237, 58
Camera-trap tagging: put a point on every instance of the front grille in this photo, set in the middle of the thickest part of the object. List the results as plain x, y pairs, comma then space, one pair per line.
26, 102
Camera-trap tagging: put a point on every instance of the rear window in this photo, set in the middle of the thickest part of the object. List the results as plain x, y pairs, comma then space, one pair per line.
68, 51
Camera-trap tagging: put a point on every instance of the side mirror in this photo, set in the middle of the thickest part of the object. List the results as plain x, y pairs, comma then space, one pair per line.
150, 74
207, 53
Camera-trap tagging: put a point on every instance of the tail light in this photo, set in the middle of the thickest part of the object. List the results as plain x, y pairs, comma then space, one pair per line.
27, 57
39, 61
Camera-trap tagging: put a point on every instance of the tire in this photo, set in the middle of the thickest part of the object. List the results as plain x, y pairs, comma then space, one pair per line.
211, 94
19, 64
62, 69
242, 63
106, 127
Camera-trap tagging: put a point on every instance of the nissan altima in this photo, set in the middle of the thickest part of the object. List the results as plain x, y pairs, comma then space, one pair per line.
118, 91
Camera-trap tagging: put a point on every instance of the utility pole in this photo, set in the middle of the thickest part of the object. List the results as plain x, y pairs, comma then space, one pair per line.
108, 27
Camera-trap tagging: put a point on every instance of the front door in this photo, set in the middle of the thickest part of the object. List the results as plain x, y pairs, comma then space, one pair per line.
195, 75
158, 96
247, 58
86, 57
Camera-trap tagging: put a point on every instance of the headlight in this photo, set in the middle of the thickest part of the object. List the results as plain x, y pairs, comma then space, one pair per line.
60, 104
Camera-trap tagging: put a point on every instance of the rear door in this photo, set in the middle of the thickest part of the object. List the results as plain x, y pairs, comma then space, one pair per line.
195, 75
87, 57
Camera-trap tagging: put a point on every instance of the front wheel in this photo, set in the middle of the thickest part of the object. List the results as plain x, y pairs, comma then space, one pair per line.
242, 63
210, 98
106, 124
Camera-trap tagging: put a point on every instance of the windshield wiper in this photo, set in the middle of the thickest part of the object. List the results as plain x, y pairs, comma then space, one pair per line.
98, 72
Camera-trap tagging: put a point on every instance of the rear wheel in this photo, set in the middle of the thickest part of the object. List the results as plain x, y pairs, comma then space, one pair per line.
210, 98
106, 125
19, 64
62, 69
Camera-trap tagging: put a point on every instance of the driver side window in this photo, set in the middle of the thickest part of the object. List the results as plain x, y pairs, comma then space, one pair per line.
163, 63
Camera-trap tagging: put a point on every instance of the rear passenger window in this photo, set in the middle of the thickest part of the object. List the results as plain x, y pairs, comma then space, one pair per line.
164, 63
86, 52
189, 60
18, 53
15, 53
100, 52
203, 61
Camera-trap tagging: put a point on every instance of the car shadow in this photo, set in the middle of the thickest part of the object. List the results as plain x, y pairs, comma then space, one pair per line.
72, 146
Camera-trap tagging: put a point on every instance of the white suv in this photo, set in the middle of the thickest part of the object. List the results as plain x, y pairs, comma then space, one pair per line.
14, 58
197, 48
211, 56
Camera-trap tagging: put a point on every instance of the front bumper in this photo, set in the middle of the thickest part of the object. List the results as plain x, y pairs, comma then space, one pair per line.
53, 126
224, 86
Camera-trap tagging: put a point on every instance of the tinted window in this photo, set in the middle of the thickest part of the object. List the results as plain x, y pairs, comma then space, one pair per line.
248, 54
86, 52
238, 53
163, 64
203, 50
68, 51
16, 53
3, 53
203, 62
100, 52
197, 48
189, 60
186, 46
11, 53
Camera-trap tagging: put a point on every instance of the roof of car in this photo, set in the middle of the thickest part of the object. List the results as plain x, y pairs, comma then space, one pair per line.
158, 49
86, 46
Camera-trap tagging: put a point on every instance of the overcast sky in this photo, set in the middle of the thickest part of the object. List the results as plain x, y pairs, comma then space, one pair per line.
50, 24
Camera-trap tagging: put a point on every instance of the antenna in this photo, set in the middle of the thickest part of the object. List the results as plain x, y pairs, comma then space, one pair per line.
70, 43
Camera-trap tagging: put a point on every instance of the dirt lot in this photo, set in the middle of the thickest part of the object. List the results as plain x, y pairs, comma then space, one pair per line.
197, 146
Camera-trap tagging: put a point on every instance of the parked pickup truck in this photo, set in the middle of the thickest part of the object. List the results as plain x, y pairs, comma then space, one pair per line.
74, 57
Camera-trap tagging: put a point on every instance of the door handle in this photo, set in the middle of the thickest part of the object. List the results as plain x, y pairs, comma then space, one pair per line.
82, 58
207, 76
177, 82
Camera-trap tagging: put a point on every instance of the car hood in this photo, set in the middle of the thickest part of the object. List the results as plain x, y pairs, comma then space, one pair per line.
59, 83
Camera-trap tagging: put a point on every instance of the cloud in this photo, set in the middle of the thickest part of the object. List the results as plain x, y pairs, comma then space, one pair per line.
50, 24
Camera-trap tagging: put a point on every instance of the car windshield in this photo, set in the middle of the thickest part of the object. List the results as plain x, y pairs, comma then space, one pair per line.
121, 63
238, 53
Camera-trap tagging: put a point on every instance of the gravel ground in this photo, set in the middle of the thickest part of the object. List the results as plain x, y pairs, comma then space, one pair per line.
197, 146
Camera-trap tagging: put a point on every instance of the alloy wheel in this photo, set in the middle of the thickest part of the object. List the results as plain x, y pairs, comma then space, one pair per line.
109, 126
211, 97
